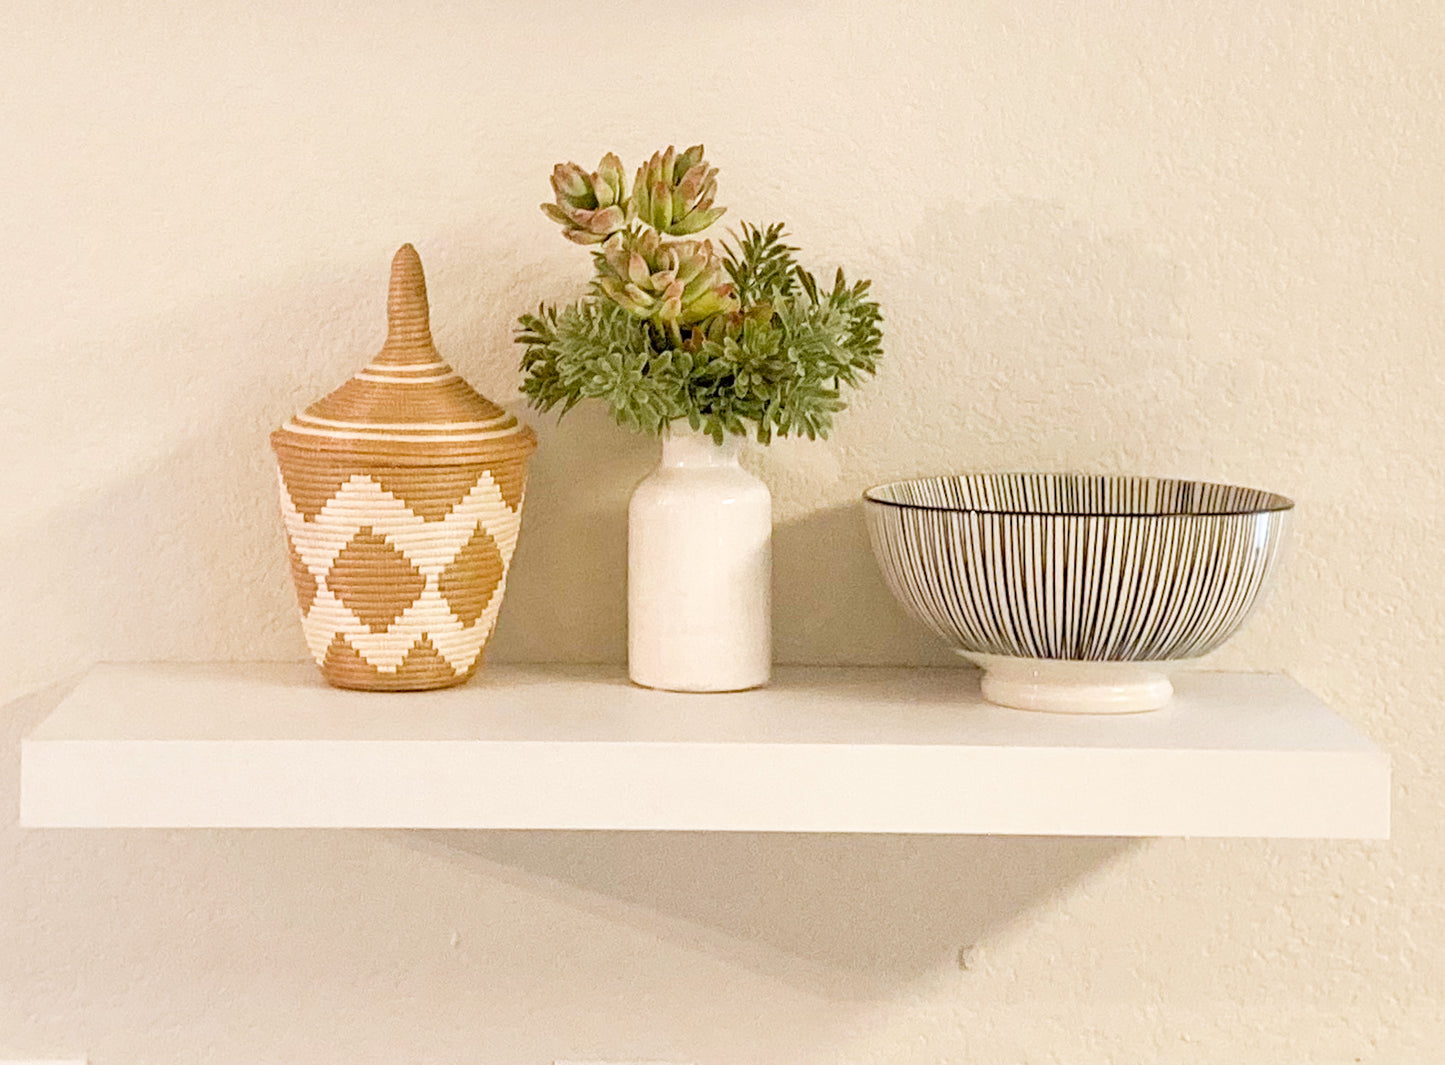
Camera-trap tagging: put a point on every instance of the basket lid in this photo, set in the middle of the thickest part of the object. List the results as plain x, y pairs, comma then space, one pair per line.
407, 406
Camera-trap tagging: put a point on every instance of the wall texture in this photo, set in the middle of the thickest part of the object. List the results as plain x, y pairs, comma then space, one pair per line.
1168, 237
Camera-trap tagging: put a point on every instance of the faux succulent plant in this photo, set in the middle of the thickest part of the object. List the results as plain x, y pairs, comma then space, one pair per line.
734, 341
668, 283
590, 207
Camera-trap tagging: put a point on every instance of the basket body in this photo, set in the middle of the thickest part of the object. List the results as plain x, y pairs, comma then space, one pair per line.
401, 495
399, 570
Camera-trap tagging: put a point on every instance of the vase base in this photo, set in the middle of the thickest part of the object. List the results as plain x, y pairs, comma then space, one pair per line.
699, 685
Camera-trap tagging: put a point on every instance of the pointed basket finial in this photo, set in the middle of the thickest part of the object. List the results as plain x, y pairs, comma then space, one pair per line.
406, 407
407, 313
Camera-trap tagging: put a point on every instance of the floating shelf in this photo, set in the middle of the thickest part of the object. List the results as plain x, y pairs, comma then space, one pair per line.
820, 750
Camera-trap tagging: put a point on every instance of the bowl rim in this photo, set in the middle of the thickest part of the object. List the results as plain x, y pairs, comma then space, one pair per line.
1276, 503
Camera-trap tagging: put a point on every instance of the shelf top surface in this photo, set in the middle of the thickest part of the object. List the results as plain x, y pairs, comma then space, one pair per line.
863, 706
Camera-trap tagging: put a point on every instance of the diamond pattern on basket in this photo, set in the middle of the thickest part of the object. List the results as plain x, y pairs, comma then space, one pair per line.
381, 571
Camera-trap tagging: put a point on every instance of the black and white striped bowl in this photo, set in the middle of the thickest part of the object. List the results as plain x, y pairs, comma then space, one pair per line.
1074, 592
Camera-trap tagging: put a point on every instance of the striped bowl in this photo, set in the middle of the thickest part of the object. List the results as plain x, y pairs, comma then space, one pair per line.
1076, 592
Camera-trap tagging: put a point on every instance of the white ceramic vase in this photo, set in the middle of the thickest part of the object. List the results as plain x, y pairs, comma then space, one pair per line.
699, 571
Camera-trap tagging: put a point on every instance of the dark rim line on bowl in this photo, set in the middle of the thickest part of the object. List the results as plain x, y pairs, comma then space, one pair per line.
1283, 503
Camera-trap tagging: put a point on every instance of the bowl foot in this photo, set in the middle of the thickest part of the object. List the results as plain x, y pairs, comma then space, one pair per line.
1061, 687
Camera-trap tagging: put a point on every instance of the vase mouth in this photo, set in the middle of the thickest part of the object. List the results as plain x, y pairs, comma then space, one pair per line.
690, 447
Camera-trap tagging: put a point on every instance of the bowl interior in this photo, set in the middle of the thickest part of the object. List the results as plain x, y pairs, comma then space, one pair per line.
1075, 495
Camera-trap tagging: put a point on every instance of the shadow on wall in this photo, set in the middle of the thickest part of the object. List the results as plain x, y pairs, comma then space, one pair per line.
152, 531
843, 916
151, 528
567, 590
830, 604
1018, 337
169, 561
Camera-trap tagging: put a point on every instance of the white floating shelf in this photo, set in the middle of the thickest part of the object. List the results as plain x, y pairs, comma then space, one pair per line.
820, 750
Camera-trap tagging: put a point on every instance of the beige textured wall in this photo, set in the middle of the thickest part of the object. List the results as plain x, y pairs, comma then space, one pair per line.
1200, 239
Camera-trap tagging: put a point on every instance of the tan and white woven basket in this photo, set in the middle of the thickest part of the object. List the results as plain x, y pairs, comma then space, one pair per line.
402, 498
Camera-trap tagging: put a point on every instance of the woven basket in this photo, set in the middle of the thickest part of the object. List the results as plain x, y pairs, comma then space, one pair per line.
402, 498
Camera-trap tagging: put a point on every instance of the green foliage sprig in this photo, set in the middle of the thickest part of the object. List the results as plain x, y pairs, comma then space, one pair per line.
671, 330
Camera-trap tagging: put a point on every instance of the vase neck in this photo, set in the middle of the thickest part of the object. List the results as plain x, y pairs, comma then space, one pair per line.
697, 450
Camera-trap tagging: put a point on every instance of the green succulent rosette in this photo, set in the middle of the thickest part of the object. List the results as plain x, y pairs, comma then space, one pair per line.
674, 283
674, 193
590, 207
